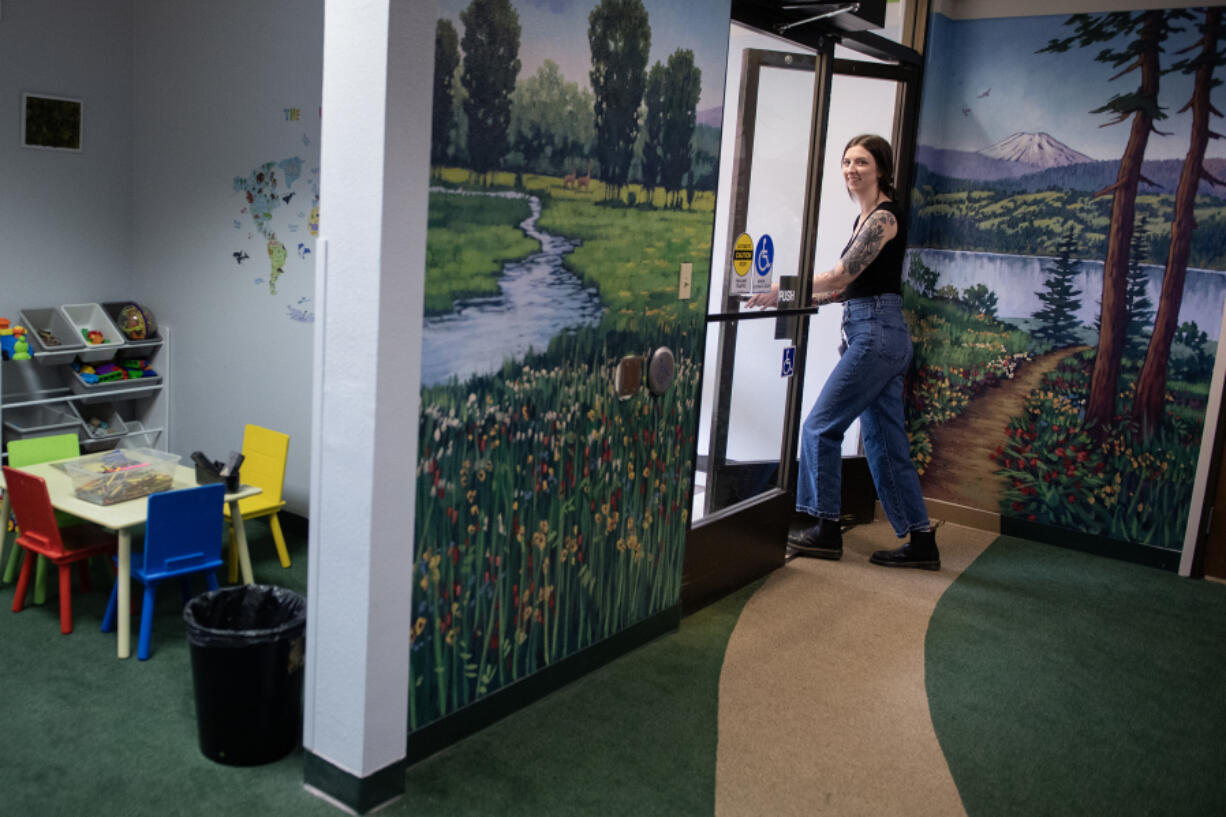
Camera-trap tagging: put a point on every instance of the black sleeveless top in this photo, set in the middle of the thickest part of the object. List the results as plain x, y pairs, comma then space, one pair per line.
884, 275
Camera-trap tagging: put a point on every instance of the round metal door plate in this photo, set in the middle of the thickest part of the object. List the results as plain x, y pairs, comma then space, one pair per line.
660, 370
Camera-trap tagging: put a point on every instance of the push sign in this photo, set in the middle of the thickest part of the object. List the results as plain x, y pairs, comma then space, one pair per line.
763, 264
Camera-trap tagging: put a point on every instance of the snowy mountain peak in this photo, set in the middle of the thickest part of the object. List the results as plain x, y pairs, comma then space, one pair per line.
1037, 149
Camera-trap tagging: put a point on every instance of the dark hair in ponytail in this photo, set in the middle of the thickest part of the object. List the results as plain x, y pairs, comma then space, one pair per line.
883, 155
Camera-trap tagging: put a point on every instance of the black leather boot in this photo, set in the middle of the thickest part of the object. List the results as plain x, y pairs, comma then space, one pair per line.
921, 552
823, 541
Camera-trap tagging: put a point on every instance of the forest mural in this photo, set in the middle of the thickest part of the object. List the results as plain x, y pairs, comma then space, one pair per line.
574, 156
1067, 268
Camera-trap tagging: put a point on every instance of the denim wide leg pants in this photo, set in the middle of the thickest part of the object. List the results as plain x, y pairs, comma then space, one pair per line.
867, 383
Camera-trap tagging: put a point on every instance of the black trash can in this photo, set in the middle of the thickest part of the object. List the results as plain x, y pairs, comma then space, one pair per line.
247, 645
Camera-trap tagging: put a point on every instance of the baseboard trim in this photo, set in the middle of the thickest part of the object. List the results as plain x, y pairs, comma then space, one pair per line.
361, 795
1160, 558
433, 737
960, 515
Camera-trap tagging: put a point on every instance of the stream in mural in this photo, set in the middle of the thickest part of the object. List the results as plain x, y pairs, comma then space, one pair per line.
540, 299
1017, 280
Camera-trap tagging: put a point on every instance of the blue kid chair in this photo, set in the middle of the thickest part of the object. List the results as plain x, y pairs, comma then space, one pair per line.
182, 536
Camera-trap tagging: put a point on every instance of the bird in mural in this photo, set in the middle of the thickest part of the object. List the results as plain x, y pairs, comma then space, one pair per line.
287, 198
240, 256
984, 94
966, 111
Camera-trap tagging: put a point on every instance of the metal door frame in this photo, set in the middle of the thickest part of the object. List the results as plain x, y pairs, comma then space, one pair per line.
735, 545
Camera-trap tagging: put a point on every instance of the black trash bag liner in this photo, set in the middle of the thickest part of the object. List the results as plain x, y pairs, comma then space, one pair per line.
246, 614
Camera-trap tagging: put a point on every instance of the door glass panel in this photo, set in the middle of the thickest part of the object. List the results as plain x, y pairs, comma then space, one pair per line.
744, 398
857, 105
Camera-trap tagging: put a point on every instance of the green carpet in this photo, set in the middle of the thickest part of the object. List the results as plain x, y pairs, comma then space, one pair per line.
87, 734
1062, 683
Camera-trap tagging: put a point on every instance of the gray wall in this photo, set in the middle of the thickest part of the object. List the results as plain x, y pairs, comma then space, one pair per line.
211, 82
66, 217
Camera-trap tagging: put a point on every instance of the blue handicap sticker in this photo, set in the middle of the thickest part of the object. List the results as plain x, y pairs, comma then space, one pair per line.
764, 256
789, 361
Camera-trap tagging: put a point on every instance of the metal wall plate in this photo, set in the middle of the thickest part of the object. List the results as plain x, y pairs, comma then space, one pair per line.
661, 368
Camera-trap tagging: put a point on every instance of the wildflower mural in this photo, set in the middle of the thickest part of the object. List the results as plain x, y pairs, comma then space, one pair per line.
574, 161
1096, 219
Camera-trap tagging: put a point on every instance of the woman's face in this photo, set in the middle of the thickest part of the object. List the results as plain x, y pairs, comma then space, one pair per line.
859, 170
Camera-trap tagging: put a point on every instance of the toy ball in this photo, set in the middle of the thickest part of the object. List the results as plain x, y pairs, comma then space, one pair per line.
136, 322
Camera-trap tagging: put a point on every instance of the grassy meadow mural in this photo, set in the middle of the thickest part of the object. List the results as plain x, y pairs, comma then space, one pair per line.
1068, 267
574, 167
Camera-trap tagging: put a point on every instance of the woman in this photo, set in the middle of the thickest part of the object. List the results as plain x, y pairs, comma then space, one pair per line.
867, 382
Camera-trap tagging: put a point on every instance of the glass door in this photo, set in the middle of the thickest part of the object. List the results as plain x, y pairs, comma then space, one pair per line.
781, 208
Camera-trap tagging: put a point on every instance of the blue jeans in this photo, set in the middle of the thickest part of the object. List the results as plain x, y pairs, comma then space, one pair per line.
867, 383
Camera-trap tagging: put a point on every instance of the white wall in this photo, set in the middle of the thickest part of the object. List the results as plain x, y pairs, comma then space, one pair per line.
211, 82
65, 217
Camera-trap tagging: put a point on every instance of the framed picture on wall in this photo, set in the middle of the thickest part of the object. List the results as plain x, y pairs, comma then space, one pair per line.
51, 122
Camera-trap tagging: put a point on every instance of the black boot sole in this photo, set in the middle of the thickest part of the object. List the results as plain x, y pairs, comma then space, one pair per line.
816, 552
917, 565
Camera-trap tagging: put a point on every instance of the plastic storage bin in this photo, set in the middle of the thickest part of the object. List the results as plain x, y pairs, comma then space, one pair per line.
101, 427
39, 421
131, 348
247, 646
122, 474
61, 343
93, 318
98, 391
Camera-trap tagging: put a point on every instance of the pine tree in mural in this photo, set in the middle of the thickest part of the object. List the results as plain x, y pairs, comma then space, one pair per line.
1146, 31
1137, 303
682, 86
491, 65
1149, 403
653, 128
620, 39
1058, 317
446, 60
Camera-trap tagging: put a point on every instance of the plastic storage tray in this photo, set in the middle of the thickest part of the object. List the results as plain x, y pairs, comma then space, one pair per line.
50, 320
108, 431
121, 475
131, 348
101, 391
93, 318
39, 421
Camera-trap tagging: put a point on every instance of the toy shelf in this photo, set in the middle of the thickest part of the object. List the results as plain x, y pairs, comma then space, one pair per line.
37, 399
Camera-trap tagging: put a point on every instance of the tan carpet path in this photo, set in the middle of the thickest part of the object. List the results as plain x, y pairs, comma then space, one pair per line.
822, 706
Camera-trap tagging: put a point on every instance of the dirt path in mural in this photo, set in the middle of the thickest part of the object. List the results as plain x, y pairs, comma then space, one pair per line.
962, 470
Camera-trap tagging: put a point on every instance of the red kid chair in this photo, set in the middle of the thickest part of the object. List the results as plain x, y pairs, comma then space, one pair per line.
41, 536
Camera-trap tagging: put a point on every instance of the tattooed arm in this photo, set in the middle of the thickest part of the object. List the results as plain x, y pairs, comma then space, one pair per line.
880, 228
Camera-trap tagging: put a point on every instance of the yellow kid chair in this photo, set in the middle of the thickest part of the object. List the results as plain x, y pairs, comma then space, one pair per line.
264, 454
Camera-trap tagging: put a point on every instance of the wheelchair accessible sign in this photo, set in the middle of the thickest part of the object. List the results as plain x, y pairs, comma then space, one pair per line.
763, 264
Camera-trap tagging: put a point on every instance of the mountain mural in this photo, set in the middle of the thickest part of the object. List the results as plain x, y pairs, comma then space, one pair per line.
938, 168
1037, 149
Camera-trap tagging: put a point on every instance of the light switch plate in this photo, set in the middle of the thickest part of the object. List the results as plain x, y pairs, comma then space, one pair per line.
687, 277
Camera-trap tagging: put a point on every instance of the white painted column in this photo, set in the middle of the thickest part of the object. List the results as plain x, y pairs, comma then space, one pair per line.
375, 161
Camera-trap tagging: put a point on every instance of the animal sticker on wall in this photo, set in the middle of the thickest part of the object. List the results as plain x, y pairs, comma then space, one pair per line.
573, 173
279, 203
1067, 269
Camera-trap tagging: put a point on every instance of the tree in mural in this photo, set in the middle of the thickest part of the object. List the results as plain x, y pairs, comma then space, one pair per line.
446, 60
1137, 303
491, 66
1058, 317
653, 127
682, 87
980, 300
620, 39
1148, 405
551, 121
1145, 31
